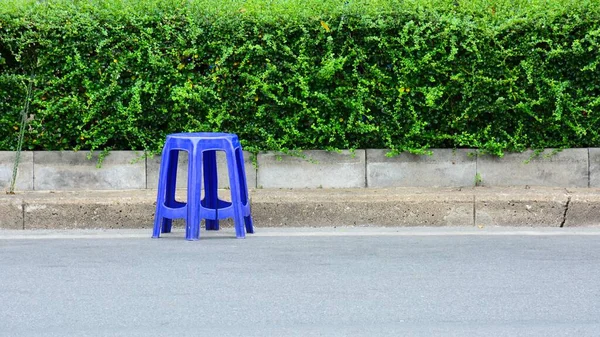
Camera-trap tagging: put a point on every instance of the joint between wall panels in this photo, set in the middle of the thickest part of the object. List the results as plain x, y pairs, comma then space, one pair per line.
366, 167
589, 175
32, 174
256, 173
475, 178
146, 170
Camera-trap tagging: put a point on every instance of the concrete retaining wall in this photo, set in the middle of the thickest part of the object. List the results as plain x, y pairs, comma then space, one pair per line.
321, 169
568, 168
444, 168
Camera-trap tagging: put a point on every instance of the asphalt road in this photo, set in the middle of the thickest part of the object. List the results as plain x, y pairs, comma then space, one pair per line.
339, 282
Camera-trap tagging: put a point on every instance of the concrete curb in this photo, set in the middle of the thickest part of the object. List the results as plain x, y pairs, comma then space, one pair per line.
387, 207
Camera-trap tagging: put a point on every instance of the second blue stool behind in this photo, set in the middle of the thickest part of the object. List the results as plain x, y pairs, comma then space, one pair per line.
202, 148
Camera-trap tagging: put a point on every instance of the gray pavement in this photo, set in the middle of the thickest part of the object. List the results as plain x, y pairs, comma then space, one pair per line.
302, 282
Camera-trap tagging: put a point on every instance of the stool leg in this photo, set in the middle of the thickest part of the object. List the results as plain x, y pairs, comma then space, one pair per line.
192, 231
171, 185
236, 202
239, 156
209, 160
249, 224
161, 195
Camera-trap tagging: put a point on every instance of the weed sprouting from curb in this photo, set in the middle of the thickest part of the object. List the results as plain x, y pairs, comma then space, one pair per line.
24, 114
478, 179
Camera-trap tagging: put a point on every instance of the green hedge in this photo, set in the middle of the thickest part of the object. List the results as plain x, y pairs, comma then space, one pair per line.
405, 75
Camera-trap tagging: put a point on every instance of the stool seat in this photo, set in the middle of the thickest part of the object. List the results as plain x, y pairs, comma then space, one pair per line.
202, 171
202, 135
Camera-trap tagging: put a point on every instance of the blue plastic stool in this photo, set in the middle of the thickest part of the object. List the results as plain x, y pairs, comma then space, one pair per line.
202, 148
